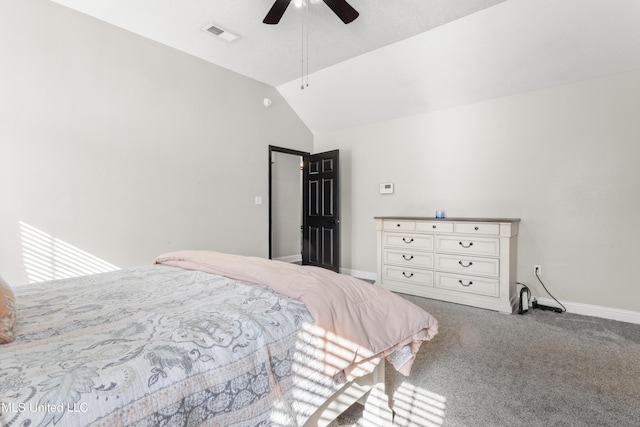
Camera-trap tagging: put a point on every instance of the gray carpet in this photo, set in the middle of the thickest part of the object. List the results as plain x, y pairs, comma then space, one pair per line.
537, 369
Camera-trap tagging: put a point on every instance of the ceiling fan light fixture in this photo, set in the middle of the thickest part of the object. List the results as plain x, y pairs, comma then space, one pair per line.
341, 8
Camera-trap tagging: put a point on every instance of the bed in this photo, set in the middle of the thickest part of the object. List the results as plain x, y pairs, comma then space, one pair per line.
205, 338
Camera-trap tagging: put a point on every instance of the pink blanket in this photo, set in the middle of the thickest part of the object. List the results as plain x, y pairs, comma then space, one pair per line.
369, 321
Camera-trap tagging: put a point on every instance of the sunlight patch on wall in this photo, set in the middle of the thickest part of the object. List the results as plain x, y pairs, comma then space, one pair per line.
47, 258
415, 405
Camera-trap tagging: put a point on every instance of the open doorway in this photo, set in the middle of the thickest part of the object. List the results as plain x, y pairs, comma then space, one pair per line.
304, 213
285, 204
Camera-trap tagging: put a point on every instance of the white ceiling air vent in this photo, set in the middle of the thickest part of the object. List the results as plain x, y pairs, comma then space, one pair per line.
220, 32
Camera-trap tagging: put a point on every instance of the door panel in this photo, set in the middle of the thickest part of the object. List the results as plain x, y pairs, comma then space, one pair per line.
314, 198
327, 197
327, 246
314, 247
321, 222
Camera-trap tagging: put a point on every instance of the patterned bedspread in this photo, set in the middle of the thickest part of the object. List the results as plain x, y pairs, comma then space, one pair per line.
158, 345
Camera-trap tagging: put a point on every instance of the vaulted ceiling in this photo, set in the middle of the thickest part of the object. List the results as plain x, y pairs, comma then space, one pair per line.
398, 58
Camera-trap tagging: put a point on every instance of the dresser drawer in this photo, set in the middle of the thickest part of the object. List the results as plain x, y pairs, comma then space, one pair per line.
399, 225
435, 226
468, 265
408, 258
478, 228
468, 245
468, 284
408, 241
408, 275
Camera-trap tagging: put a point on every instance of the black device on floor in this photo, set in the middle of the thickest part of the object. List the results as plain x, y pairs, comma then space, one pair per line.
546, 307
525, 294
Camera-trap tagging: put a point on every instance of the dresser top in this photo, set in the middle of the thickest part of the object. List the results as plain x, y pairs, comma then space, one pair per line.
431, 218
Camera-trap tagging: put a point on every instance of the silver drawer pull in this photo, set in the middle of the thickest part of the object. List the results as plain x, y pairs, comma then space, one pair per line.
466, 246
468, 284
404, 239
465, 266
409, 276
407, 259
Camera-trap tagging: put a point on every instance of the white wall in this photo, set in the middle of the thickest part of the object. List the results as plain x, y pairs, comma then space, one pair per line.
125, 148
565, 160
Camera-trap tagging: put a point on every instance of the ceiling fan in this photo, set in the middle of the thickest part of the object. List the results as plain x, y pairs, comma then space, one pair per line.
340, 7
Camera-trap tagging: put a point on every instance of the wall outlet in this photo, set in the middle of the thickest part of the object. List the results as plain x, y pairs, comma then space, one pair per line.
537, 269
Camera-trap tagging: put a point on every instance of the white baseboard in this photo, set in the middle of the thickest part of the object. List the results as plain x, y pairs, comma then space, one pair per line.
367, 275
596, 310
290, 258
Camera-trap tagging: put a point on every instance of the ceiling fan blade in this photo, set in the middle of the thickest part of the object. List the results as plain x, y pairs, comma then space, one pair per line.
343, 9
276, 12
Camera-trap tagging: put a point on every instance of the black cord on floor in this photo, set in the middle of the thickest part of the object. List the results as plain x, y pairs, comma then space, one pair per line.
545, 288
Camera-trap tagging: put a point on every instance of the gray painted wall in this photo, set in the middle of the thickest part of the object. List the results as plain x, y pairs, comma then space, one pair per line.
563, 159
116, 147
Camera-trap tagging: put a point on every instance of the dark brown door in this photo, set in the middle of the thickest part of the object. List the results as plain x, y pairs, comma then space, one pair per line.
321, 218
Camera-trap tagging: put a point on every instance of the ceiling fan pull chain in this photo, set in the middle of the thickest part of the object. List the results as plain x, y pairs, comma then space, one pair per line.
305, 23
302, 53
307, 43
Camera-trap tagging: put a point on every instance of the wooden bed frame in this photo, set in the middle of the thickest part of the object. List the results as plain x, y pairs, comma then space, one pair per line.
368, 390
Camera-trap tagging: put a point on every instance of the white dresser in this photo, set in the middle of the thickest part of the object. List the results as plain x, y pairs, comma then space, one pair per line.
468, 261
